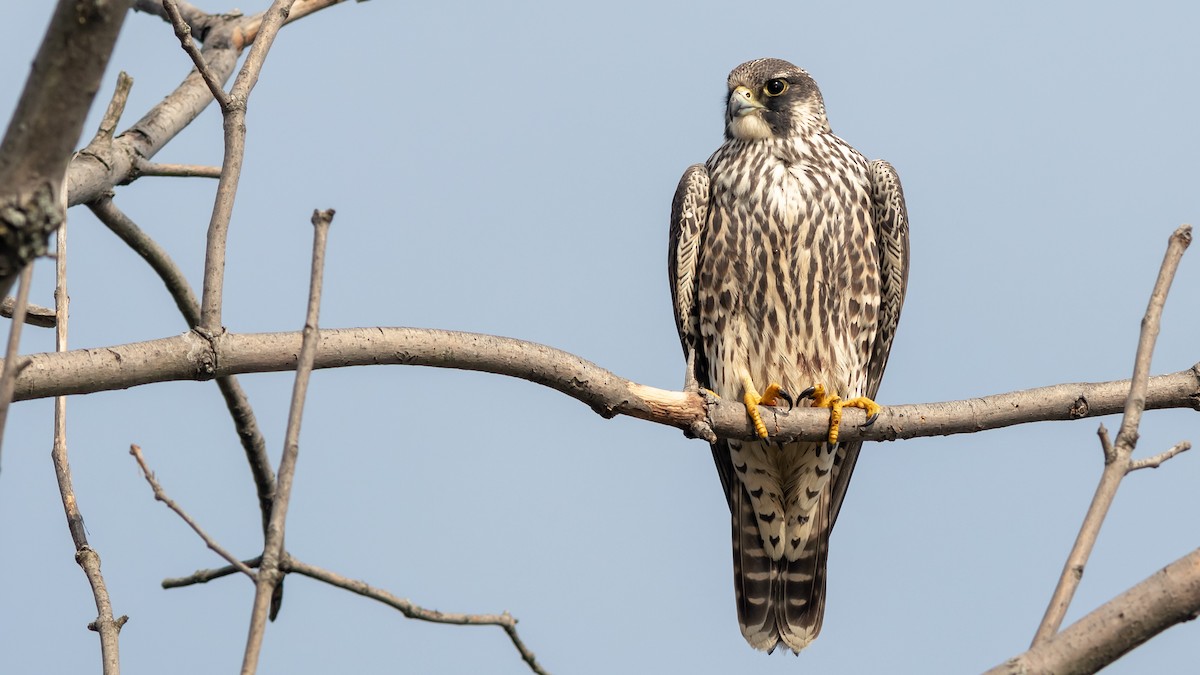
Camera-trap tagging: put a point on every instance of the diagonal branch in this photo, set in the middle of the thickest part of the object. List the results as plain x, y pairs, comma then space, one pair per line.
91, 174
236, 401
1118, 458
50, 114
1168, 597
414, 611
161, 495
269, 573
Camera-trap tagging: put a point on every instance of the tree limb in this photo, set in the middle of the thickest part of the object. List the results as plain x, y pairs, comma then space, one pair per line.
1118, 459
414, 611
46, 124
92, 173
193, 357
161, 495
270, 576
1170, 596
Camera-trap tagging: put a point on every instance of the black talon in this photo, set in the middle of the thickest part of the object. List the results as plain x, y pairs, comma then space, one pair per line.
807, 393
787, 397
871, 420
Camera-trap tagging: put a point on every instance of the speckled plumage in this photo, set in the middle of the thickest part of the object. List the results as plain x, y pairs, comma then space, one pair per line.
788, 263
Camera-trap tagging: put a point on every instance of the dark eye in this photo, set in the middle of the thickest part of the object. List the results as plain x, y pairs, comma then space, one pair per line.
775, 87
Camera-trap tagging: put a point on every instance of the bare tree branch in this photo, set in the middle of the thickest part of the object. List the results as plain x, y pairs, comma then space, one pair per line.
269, 573
12, 365
192, 357
43, 130
87, 558
206, 575
92, 174
244, 420
184, 32
177, 170
116, 108
1157, 460
1170, 596
414, 611
1118, 459
35, 315
161, 495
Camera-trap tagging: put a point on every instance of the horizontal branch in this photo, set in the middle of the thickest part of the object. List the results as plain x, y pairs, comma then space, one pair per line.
193, 357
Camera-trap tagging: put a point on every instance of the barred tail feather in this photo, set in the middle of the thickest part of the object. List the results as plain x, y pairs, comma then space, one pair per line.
778, 601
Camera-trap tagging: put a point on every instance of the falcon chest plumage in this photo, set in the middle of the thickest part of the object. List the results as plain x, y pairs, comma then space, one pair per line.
789, 286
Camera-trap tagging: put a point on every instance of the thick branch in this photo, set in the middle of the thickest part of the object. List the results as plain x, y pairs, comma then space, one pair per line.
192, 357
46, 124
1170, 596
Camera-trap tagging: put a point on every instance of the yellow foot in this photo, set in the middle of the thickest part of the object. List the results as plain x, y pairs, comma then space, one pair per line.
752, 399
823, 399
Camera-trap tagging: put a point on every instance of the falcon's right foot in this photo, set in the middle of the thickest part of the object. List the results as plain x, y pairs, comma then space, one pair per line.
752, 399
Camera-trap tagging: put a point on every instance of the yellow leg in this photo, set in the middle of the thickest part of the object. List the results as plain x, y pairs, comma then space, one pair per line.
752, 399
823, 399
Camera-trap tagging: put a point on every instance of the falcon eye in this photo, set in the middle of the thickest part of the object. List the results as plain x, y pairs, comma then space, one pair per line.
775, 87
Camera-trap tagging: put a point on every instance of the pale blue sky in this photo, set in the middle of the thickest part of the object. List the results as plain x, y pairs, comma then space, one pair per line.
508, 169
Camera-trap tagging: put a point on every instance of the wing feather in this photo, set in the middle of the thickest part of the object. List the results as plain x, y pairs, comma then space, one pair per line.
891, 235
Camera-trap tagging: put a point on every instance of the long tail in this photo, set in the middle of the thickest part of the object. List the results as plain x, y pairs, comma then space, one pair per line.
779, 601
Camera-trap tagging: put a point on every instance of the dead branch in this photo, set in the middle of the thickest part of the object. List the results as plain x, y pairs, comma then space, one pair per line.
161, 495
1168, 597
92, 173
49, 117
193, 357
35, 315
244, 420
414, 611
108, 628
1118, 459
13, 365
269, 573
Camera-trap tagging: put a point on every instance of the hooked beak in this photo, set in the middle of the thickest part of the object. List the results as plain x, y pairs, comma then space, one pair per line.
742, 102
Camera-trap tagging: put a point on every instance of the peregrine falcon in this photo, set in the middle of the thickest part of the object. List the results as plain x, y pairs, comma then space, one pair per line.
788, 264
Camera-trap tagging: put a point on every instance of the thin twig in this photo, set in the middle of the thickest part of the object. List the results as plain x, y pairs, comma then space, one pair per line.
108, 628
1128, 434
13, 365
234, 122
244, 420
1117, 458
301, 9
116, 107
35, 315
184, 32
148, 168
161, 495
269, 574
1157, 460
207, 575
414, 611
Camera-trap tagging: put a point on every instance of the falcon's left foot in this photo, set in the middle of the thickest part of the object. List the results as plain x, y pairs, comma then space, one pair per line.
823, 399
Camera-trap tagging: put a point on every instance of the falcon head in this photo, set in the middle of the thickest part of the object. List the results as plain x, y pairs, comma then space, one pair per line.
771, 98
